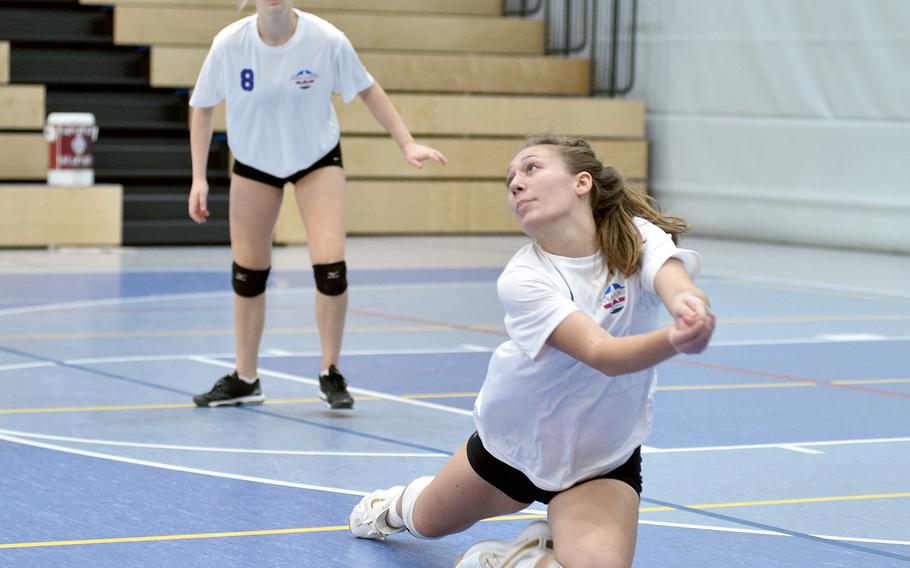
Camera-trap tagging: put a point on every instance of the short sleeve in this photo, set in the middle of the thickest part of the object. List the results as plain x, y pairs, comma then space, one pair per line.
534, 307
209, 90
351, 77
657, 249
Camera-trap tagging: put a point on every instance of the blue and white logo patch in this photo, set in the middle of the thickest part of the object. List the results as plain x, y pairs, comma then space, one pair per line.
614, 298
304, 79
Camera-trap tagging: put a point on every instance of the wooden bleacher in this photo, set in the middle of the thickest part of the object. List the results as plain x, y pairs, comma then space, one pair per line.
21, 107
36, 214
4, 62
459, 7
465, 80
413, 32
177, 67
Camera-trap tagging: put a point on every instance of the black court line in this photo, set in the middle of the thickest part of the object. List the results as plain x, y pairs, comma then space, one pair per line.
762, 526
241, 408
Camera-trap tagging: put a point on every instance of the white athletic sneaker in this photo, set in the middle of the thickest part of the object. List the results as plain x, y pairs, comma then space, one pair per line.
369, 519
534, 542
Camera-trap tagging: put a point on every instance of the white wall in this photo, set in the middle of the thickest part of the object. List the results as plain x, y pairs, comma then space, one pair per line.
780, 120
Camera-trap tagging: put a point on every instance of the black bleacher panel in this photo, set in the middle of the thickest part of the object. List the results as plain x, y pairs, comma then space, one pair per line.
143, 143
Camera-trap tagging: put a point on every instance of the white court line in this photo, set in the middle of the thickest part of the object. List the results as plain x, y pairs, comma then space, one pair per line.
146, 358
279, 352
799, 449
477, 348
466, 348
712, 528
271, 353
158, 465
17, 366
109, 302
114, 301
852, 337
314, 382
772, 533
226, 294
793, 446
93, 441
197, 471
816, 340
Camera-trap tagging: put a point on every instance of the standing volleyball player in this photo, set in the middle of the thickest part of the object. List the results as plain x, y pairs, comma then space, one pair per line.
277, 71
567, 402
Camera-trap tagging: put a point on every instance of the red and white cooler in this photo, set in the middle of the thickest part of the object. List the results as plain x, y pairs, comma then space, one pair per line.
71, 136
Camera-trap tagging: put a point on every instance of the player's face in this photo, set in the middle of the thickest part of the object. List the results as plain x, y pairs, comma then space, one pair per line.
541, 189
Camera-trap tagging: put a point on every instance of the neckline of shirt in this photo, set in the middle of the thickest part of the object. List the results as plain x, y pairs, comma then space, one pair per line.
298, 31
571, 261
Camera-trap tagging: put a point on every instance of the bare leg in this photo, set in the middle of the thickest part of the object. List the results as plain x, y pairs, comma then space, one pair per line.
457, 499
320, 199
254, 210
594, 524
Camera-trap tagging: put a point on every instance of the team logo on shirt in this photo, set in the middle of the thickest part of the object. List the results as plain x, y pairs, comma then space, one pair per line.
614, 298
304, 79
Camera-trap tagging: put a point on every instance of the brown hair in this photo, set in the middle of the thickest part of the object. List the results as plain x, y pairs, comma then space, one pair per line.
613, 204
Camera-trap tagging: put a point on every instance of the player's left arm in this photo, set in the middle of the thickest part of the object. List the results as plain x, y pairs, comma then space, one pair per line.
686, 303
387, 116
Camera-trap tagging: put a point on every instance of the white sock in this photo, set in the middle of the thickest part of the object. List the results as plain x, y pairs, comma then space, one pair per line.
246, 379
393, 519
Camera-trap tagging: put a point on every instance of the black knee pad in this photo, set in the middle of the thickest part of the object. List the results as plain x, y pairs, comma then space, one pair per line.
247, 282
331, 279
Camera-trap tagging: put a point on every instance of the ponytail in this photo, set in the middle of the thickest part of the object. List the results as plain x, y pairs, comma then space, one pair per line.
613, 204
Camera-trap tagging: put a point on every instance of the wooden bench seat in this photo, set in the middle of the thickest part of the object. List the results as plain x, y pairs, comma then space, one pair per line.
143, 25
39, 215
22, 107
23, 156
414, 207
486, 116
461, 7
469, 159
4, 62
178, 67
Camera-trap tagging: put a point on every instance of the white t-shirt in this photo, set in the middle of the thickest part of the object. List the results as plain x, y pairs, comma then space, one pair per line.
543, 412
280, 117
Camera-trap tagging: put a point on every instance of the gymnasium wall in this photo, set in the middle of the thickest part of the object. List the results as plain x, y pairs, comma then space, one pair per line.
780, 120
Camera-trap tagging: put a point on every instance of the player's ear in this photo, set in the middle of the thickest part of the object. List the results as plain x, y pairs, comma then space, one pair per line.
583, 183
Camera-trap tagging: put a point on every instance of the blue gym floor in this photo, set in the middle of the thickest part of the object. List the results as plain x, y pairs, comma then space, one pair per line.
787, 443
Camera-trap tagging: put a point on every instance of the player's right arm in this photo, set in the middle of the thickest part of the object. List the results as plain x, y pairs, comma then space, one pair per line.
201, 129
580, 337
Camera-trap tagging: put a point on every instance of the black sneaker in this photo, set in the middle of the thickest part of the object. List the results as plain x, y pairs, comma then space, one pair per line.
334, 390
231, 390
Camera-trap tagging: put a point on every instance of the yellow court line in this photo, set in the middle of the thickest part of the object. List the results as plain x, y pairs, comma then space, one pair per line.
314, 400
441, 395
735, 386
803, 500
406, 329
870, 382
171, 537
121, 540
230, 331
276, 402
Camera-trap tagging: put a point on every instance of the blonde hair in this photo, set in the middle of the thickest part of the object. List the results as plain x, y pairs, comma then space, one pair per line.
613, 204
